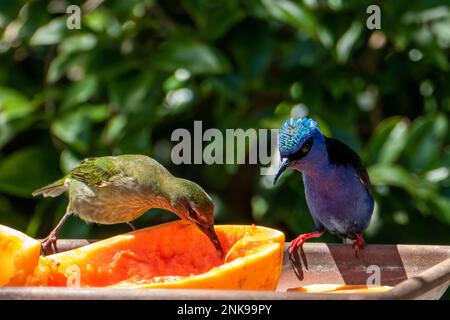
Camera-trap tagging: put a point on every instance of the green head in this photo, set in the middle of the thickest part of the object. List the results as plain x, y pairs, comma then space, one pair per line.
193, 204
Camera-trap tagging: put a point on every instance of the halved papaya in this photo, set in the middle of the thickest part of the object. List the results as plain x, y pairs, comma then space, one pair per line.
341, 288
171, 255
19, 255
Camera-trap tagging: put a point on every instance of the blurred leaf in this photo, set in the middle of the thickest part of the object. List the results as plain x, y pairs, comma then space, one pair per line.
214, 18
388, 141
11, 217
49, 34
347, 41
15, 110
393, 175
253, 50
58, 67
304, 52
194, 56
103, 21
42, 209
229, 86
381, 134
13, 104
68, 161
114, 131
76, 228
442, 209
81, 91
292, 13
79, 42
129, 93
73, 129
28, 169
97, 19
424, 142
136, 143
394, 144
325, 36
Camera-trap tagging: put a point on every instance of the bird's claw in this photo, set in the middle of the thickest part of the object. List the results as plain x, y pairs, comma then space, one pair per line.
296, 243
358, 244
49, 244
300, 240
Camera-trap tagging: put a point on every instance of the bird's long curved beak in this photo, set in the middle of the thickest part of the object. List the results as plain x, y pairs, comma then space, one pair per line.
284, 165
211, 233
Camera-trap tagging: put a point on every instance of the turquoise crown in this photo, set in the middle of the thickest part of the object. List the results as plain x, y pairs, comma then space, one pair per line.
293, 134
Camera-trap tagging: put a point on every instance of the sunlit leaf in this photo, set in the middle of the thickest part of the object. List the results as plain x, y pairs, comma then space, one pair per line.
292, 13
397, 176
395, 143
79, 42
347, 41
388, 141
49, 34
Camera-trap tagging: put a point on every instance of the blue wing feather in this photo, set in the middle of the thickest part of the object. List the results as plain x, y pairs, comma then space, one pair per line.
341, 154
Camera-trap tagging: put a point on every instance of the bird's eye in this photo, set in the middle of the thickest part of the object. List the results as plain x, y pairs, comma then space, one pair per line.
303, 151
192, 213
306, 147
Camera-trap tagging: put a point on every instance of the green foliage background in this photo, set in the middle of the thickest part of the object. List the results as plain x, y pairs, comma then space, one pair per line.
137, 70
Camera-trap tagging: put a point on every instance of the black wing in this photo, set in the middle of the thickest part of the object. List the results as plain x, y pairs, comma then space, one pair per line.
341, 154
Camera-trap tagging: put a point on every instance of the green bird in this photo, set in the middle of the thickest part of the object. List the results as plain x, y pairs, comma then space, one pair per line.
119, 189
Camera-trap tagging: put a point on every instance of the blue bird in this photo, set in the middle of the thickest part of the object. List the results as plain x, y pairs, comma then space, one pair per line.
337, 186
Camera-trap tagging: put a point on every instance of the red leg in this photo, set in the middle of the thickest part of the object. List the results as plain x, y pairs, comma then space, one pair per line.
358, 244
300, 240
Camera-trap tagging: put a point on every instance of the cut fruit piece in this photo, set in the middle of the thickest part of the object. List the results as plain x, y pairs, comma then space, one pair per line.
340, 288
19, 255
171, 255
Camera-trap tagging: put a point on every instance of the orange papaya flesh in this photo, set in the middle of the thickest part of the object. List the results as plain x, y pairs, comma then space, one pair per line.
19, 255
171, 255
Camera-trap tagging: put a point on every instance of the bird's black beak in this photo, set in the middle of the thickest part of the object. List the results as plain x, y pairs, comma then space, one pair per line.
211, 233
284, 165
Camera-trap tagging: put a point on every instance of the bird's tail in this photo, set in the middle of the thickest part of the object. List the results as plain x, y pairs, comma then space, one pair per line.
52, 190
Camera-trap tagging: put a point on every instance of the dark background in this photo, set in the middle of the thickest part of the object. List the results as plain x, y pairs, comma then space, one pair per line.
137, 70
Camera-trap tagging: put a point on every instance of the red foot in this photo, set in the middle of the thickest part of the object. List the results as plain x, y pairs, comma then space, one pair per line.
358, 244
300, 240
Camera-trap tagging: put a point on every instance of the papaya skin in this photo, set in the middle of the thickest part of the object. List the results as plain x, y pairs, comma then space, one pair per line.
171, 255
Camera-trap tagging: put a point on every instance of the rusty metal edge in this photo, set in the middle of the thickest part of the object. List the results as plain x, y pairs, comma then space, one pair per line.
418, 285
54, 293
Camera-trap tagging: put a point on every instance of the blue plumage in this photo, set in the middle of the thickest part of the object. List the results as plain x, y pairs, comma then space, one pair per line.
337, 186
294, 133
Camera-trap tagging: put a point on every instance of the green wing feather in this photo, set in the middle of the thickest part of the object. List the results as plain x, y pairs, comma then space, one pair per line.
96, 171
52, 190
102, 171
